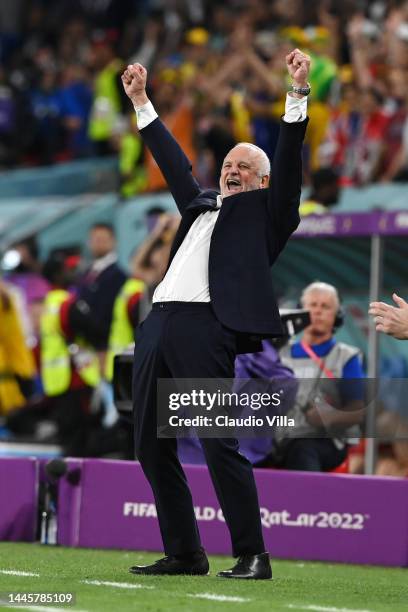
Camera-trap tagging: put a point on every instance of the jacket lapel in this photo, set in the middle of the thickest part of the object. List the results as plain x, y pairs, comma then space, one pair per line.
206, 200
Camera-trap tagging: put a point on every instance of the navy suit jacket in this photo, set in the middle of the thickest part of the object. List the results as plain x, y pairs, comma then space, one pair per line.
251, 230
100, 296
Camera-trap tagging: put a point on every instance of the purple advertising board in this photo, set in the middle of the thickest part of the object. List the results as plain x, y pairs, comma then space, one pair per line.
350, 519
339, 225
19, 480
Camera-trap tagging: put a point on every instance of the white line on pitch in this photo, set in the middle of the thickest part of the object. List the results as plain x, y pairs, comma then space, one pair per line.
313, 608
215, 597
42, 608
18, 573
118, 585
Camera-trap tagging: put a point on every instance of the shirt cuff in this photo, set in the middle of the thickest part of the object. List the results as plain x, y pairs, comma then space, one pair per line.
145, 115
295, 109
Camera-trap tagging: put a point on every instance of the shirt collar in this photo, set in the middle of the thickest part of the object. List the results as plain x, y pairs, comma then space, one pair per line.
102, 263
219, 201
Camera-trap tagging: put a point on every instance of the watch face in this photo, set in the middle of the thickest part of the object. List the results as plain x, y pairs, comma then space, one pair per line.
302, 90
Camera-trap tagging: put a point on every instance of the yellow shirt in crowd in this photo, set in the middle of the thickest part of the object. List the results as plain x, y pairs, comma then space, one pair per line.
15, 357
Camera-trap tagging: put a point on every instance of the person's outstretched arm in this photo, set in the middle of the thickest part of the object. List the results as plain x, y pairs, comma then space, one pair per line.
286, 173
169, 156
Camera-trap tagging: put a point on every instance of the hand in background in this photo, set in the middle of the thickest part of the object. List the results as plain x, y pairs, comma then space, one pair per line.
392, 320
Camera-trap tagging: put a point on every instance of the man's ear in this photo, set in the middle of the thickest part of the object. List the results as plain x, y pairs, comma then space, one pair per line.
265, 181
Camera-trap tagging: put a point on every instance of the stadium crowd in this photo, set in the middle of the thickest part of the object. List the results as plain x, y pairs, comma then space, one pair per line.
60, 67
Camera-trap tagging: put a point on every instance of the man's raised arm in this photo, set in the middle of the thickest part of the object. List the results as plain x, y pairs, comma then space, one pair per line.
286, 174
167, 153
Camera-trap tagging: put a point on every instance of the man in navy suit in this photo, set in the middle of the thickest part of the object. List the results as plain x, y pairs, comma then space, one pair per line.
102, 282
215, 300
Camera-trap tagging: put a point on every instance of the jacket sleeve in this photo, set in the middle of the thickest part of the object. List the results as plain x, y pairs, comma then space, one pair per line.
286, 180
173, 163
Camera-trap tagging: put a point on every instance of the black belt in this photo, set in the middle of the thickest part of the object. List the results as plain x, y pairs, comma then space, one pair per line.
160, 306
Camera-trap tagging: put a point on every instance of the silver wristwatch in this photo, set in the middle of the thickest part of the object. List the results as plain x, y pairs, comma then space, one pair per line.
303, 91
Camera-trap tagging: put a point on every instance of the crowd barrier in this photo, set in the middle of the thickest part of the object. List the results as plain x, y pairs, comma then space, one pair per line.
108, 504
19, 484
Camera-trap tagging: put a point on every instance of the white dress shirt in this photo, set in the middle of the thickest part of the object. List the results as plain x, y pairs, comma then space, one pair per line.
186, 280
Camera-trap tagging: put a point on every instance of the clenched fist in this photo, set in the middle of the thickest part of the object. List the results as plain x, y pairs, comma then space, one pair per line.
298, 64
134, 84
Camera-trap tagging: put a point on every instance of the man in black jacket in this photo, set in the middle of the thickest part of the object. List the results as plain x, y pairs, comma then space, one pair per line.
215, 300
102, 282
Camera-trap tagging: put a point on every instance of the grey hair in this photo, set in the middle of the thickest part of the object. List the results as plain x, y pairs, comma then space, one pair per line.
265, 164
319, 286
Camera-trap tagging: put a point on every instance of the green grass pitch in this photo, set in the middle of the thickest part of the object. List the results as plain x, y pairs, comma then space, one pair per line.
296, 586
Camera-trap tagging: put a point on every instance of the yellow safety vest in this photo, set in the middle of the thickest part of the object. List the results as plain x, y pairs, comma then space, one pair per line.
121, 332
129, 156
106, 102
55, 354
310, 207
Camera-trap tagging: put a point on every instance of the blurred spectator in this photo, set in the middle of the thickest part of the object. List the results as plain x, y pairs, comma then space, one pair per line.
74, 43
126, 140
60, 359
392, 426
327, 412
324, 194
13, 113
17, 367
150, 44
11, 12
23, 271
108, 101
150, 261
48, 141
395, 148
354, 141
126, 317
175, 109
76, 102
101, 283
395, 108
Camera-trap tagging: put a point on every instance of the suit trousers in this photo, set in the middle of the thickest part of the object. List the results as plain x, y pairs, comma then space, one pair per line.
186, 340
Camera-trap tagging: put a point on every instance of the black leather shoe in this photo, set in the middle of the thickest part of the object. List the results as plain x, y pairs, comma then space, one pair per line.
250, 567
194, 564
